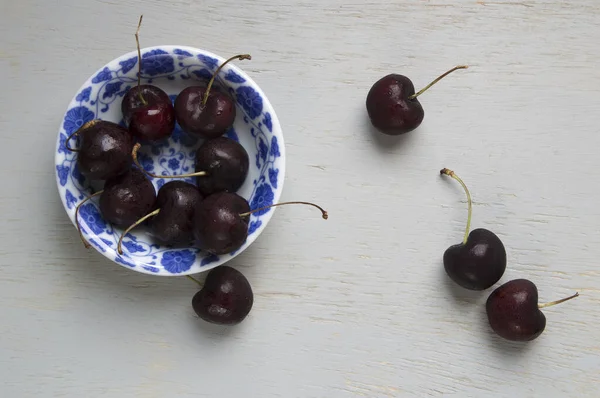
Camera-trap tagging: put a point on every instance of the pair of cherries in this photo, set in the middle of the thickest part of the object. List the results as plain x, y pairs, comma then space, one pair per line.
477, 263
201, 110
204, 111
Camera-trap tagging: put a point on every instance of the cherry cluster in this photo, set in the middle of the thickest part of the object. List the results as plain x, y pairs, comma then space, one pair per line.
209, 215
479, 261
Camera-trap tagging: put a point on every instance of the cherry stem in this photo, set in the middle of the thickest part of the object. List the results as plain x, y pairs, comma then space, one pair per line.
451, 173
137, 41
87, 245
427, 87
324, 213
550, 304
134, 152
83, 127
210, 83
132, 226
195, 280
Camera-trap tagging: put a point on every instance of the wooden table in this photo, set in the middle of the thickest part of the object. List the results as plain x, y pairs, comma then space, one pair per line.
358, 305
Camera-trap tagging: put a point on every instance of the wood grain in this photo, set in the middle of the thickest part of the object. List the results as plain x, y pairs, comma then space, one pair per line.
357, 306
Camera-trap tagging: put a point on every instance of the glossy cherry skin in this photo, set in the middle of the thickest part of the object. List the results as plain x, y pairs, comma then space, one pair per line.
226, 297
177, 201
104, 150
127, 198
206, 121
226, 163
218, 226
513, 312
389, 108
150, 121
479, 263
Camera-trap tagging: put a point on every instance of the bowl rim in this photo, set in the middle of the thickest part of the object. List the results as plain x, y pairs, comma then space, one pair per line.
277, 130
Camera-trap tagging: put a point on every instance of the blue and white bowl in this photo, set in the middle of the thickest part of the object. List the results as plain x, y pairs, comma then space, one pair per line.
171, 68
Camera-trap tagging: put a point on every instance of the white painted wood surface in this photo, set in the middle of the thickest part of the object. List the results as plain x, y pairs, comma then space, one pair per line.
357, 305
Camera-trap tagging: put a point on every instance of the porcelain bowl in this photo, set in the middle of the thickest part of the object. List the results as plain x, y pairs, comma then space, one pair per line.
171, 68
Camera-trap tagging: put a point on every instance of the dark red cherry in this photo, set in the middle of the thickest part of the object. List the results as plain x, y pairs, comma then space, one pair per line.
221, 221
513, 311
104, 149
223, 163
177, 201
171, 222
478, 263
480, 260
148, 112
226, 297
392, 104
126, 198
210, 120
206, 112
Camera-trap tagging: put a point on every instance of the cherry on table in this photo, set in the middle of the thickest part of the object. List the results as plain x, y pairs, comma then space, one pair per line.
147, 110
226, 297
221, 166
206, 112
221, 221
172, 220
480, 260
514, 313
392, 104
104, 149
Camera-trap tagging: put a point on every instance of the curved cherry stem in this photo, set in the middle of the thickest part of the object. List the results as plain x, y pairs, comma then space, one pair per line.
324, 213
195, 280
137, 41
550, 304
132, 226
210, 83
427, 87
83, 127
134, 152
87, 245
451, 173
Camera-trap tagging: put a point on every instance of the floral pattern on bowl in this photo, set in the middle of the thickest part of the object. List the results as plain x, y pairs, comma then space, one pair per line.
171, 68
